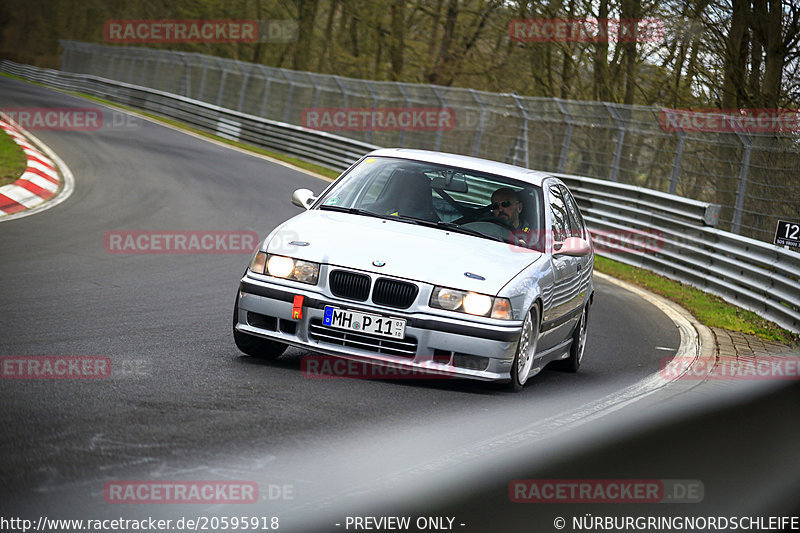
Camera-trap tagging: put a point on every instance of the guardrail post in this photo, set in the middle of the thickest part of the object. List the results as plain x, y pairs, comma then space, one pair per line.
620, 140
155, 76
110, 72
439, 132
562, 160
676, 164
287, 113
524, 140
185, 87
130, 69
224, 70
374, 105
244, 87
402, 140
203, 81
343, 90
479, 133
268, 81
741, 189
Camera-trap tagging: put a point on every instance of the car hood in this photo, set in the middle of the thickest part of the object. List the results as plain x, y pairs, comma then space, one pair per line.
419, 253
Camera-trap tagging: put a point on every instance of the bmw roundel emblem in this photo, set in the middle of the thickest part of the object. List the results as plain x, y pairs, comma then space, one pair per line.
378, 263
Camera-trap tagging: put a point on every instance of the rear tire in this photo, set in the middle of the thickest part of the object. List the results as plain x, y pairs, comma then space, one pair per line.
252, 345
526, 350
578, 346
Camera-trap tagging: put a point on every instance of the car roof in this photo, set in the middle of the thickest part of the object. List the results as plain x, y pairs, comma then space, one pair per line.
534, 177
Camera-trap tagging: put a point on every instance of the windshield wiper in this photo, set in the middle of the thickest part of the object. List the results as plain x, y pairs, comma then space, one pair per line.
450, 226
355, 211
468, 231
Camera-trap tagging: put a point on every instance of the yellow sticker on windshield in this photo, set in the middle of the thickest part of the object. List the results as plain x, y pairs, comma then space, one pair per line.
370, 160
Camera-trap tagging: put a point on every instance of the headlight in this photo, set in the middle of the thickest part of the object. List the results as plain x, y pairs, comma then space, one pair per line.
447, 298
477, 304
280, 266
258, 263
472, 303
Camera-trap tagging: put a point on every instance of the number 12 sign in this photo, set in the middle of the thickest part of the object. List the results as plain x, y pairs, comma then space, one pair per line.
788, 234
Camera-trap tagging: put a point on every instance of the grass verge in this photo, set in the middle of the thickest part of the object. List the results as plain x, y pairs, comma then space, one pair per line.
13, 161
711, 310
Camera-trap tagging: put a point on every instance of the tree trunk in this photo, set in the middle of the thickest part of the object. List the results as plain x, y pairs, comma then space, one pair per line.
631, 10
775, 54
306, 12
439, 70
733, 84
397, 40
328, 51
601, 90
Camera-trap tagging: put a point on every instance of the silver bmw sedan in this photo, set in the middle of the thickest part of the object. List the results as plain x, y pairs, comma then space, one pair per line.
435, 263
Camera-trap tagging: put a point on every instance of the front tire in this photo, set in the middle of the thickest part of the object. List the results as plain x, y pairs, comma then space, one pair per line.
526, 350
252, 345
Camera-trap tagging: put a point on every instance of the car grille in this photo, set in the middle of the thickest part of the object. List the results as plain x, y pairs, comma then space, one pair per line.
349, 285
393, 293
381, 345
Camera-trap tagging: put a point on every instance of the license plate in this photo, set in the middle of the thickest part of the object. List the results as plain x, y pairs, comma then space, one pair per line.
364, 322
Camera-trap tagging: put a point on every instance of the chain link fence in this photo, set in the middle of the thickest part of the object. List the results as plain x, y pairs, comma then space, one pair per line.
755, 177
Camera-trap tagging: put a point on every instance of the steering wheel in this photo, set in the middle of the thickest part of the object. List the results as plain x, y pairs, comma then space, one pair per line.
473, 215
500, 222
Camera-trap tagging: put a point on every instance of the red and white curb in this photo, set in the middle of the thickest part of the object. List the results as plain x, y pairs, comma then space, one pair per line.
46, 181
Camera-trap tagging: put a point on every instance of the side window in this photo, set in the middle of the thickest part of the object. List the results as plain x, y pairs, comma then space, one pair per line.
561, 226
577, 225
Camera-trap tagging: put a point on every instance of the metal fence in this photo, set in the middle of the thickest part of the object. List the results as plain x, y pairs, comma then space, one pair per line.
677, 239
754, 177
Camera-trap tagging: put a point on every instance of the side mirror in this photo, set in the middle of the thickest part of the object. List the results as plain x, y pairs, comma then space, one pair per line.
573, 247
303, 198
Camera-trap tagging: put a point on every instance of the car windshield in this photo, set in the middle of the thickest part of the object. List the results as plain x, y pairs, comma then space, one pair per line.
449, 198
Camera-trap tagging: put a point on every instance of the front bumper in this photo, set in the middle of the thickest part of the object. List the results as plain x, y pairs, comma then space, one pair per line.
451, 347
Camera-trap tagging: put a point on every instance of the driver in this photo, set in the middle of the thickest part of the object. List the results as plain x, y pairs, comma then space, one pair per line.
507, 206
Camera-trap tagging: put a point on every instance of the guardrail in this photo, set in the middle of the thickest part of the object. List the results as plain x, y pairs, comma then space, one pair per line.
681, 243
326, 149
676, 240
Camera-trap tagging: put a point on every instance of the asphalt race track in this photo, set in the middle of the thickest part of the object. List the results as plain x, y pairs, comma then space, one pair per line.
181, 400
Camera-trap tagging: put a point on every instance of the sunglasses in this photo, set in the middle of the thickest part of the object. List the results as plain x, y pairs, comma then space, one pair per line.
505, 203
